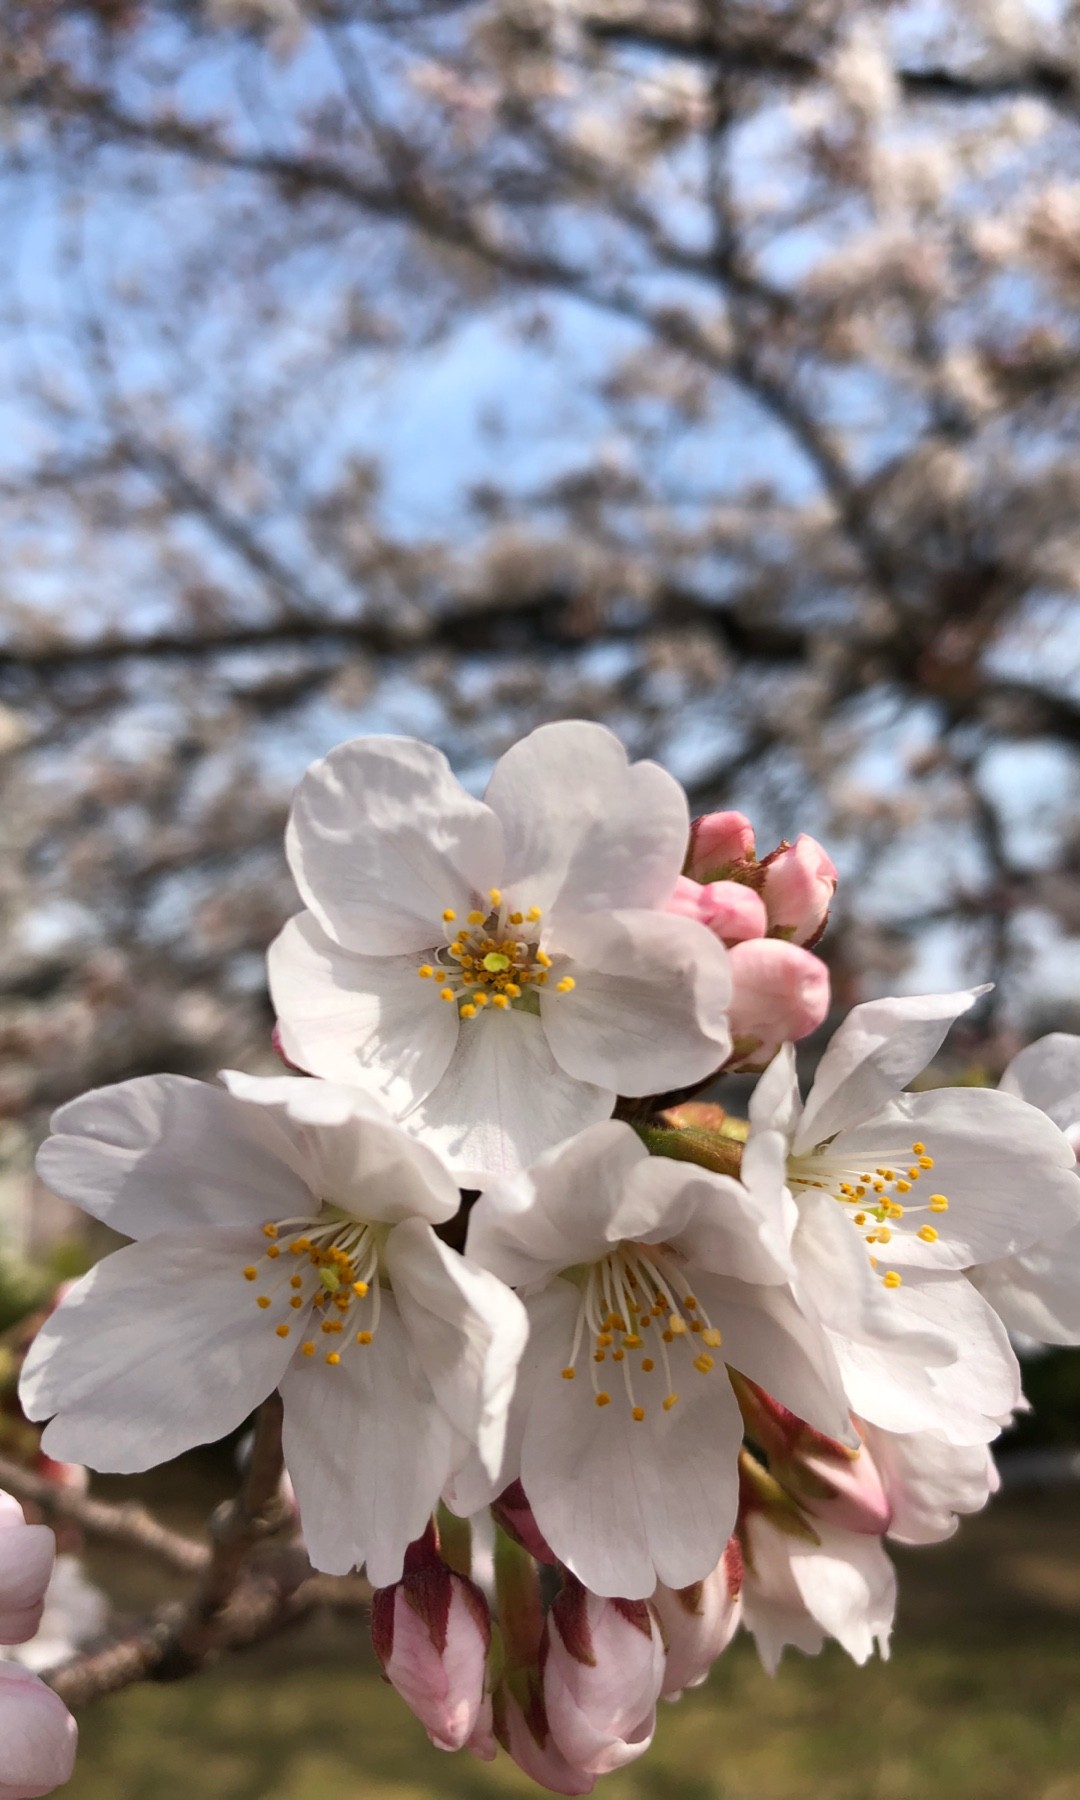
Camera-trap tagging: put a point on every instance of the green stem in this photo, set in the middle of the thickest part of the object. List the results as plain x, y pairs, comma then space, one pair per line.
455, 1540
517, 1591
709, 1149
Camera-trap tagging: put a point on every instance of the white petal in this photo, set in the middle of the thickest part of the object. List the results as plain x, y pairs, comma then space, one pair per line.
382, 837
1047, 1074
160, 1347
836, 1278
562, 1211
965, 1400
368, 1449
1008, 1173
364, 1020
625, 1504
929, 1481
713, 1221
360, 1160
877, 1050
583, 825
467, 1329
848, 1587
1037, 1293
775, 1103
769, 1339
503, 1099
162, 1152
649, 1010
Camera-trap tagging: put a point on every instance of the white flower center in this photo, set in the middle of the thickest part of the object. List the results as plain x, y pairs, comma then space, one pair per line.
493, 959
636, 1304
876, 1200
322, 1277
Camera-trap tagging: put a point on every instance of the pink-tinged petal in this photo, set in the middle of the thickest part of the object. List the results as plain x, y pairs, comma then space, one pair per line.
625, 1504
368, 1448
163, 1152
162, 1346
878, 1049
364, 1020
1047, 1074
1038, 1292
603, 1668
431, 1632
562, 1211
700, 1621
719, 841
382, 838
797, 888
648, 1013
539, 1757
38, 1736
467, 1331
779, 994
585, 829
27, 1556
1008, 1175
729, 910
359, 1159
503, 1099
929, 1482
964, 1401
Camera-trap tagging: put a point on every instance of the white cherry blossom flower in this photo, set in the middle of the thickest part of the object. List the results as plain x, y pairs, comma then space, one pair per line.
897, 1194
643, 1277
498, 970
283, 1240
929, 1482
1037, 1292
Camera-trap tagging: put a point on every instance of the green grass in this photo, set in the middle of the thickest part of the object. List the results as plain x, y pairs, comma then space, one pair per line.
981, 1701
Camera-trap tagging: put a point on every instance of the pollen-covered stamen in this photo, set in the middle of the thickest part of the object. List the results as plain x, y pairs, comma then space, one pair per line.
321, 1279
492, 958
636, 1306
877, 1199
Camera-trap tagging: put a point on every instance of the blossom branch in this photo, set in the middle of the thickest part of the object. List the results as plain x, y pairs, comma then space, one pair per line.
128, 1524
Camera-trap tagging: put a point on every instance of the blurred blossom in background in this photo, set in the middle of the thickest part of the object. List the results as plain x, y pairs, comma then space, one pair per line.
706, 367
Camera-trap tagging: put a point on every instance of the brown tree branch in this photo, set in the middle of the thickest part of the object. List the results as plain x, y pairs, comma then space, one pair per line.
129, 1524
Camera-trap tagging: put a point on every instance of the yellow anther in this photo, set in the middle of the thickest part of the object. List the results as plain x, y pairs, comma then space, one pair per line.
939, 1203
543, 959
449, 915
333, 1359
638, 1413
668, 1336
670, 1400
879, 1187
533, 914
467, 1012
458, 950
264, 1301
696, 1325
928, 1234
647, 1365
296, 1302
568, 1374
296, 1281
512, 991
926, 1162
360, 1289
446, 993
495, 896
883, 1234
618, 1356
712, 1337
517, 918
308, 1349
903, 1187
251, 1273
890, 1279
425, 971
598, 1356
918, 1149
282, 1330
860, 1218
565, 985
603, 1399
274, 1252
704, 1363
500, 1001
480, 999
690, 1302
270, 1231
676, 1325
633, 1342
476, 918
299, 1246
363, 1337
914, 1172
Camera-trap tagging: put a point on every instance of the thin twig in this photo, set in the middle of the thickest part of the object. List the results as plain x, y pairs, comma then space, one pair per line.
127, 1524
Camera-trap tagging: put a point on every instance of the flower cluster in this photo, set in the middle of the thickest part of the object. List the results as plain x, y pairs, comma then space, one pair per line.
509, 1275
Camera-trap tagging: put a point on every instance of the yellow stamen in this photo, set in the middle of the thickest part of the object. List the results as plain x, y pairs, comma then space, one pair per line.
333, 1359
500, 1001
638, 1413
270, 1231
251, 1273
670, 1400
363, 1337
891, 1279
425, 971
565, 985
647, 1365
603, 1399
533, 914
264, 1301
446, 993
928, 1234
476, 918
467, 1012
282, 1331
568, 1374
939, 1203
712, 1338
308, 1349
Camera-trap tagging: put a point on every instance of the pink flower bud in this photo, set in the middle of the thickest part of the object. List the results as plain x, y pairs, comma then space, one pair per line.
37, 1736
800, 881
854, 1497
729, 910
513, 1512
431, 1632
780, 993
27, 1554
527, 1737
699, 1622
719, 843
603, 1668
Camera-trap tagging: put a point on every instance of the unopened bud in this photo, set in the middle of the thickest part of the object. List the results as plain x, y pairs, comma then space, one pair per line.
522, 1729
780, 993
27, 1554
699, 1622
431, 1632
720, 842
512, 1511
603, 1669
38, 1736
798, 887
729, 910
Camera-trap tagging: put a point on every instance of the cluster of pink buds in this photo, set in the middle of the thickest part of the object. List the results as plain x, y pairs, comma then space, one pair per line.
770, 914
37, 1733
